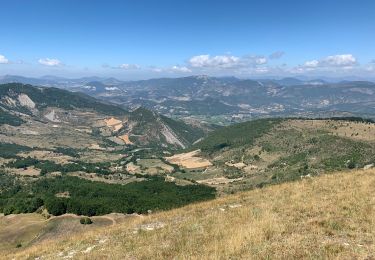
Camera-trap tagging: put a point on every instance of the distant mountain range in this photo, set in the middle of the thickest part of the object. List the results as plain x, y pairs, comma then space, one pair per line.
230, 98
46, 112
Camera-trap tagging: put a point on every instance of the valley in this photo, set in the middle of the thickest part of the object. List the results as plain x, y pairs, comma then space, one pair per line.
226, 100
181, 130
66, 155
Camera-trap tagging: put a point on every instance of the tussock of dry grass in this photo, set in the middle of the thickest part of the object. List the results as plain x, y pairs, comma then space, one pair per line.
328, 217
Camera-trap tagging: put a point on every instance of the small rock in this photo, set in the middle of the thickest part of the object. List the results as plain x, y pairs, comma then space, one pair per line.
152, 226
88, 250
235, 206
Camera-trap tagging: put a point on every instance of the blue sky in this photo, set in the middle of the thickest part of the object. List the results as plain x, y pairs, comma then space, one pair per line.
143, 39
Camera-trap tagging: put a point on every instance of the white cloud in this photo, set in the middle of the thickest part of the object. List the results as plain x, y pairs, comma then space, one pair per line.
344, 60
311, 64
226, 61
50, 62
126, 66
3, 60
260, 60
180, 69
334, 61
221, 61
276, 55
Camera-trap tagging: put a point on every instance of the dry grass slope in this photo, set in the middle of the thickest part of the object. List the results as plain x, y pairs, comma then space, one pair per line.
327, 217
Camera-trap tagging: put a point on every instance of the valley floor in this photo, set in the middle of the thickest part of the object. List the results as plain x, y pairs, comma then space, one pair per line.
326, 217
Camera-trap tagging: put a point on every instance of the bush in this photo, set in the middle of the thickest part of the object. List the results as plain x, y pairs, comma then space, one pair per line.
85, 221
351, 165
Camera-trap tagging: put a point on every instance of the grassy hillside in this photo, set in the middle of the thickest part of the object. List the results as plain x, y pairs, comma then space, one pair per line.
269, 151
327, 217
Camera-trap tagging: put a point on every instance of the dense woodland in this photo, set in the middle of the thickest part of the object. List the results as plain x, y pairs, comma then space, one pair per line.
49, 166
9, 119
236, 135
96, 198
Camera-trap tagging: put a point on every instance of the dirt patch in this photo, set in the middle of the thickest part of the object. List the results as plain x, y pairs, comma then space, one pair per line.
96, 147
239, 165
29, 171
218, 181
125, 138
132, 168
189, 160
48, 155
113, 123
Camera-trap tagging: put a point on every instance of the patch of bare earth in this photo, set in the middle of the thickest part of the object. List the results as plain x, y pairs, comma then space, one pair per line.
126, 139
29, 171
189, 160
114, 124
48, 155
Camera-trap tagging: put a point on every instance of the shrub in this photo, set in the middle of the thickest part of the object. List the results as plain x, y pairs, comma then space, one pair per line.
351, 165
85, 221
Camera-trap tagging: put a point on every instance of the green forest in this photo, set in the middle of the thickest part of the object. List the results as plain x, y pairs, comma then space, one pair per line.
96, 198
236, 135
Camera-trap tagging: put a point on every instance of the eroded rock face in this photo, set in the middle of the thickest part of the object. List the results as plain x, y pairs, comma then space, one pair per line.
171, 137
52, 116
26, 101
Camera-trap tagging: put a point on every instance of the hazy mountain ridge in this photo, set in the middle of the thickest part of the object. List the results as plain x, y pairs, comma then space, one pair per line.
230, 97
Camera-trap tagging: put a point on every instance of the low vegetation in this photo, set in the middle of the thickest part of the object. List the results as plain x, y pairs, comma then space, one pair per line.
8, 150
85, 221
327, 217
9, 119
272, 151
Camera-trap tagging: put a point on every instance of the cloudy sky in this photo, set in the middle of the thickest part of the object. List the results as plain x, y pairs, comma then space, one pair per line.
144, 39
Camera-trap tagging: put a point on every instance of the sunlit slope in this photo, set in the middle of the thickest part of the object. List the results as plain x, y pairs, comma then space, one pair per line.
325, 217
